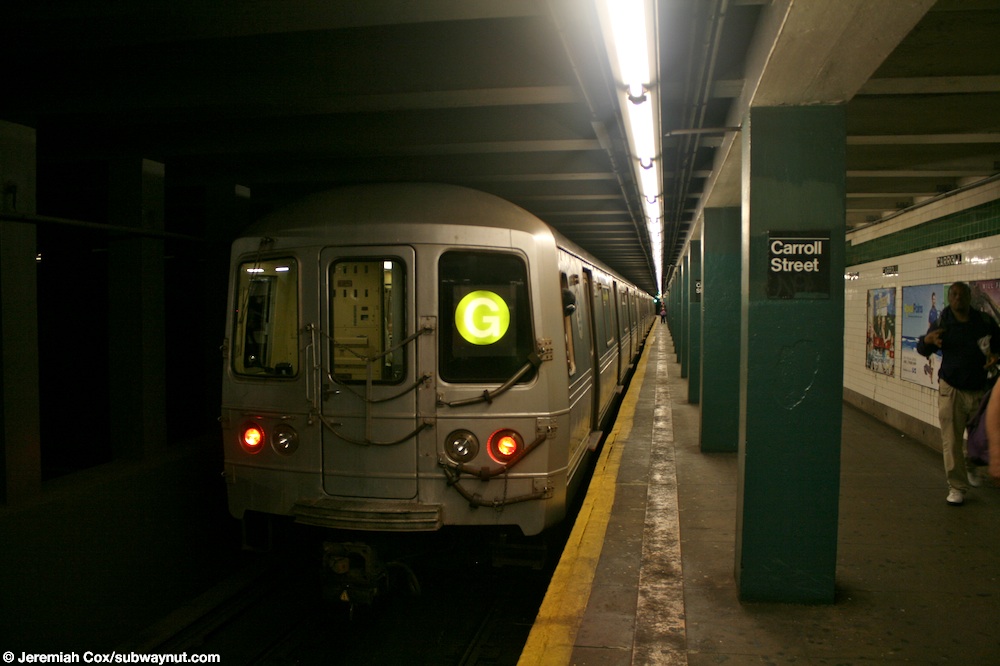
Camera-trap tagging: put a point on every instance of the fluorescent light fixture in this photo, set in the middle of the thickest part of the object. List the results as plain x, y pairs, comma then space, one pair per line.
255, 270
281, 269
649, 181
629, 27
640, 122
652, 211
630, 38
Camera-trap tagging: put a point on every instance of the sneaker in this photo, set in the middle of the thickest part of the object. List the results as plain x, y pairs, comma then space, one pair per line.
974, 480
956, 497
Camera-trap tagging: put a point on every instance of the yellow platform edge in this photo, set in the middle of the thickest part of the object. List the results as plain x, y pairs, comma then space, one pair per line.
553, 634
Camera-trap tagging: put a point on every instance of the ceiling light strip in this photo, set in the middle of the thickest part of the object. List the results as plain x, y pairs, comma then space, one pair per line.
629, 33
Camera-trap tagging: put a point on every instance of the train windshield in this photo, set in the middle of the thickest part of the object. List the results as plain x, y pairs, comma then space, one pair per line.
485, 318
367, 305
266, 339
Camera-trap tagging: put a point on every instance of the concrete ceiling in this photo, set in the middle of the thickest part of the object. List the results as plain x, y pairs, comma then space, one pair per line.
286, 97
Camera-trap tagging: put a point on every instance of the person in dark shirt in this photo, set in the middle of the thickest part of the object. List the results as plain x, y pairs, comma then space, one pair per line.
969, 341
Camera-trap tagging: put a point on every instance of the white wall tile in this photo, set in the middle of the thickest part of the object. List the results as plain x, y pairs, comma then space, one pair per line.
980, 261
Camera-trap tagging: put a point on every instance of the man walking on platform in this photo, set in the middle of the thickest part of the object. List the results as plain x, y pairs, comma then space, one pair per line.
969, 341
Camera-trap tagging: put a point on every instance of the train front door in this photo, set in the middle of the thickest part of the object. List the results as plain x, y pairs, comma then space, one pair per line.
368, 382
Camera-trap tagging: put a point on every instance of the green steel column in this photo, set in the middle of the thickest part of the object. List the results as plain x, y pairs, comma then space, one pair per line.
694, 324
20, 444
677, 322
675, 307
672, 307
668, 303
136, 309
791, 364
682, 348
720, 307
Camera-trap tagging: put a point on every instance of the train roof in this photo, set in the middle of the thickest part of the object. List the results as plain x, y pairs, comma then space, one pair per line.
407, 203
396, 203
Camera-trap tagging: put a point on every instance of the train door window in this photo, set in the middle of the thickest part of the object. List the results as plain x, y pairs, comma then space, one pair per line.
485, 331
627, 309
569, 307
616, 319
609, 334
266, 339
367, 308
589, 319
623, 309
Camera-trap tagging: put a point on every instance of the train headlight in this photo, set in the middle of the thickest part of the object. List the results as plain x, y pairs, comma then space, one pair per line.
504, 445
252, 437
285, 440
461, 446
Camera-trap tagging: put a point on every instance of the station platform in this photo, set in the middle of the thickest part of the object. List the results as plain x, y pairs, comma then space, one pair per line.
647, 576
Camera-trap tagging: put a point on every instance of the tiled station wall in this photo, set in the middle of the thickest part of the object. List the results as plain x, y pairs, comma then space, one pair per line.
966, 223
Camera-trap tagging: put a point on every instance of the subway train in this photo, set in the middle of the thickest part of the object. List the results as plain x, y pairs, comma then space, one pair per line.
404, 357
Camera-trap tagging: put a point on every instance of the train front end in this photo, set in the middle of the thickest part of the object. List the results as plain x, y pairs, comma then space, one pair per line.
391, 370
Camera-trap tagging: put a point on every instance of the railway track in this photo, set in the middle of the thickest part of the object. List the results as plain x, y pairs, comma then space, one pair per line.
467, 613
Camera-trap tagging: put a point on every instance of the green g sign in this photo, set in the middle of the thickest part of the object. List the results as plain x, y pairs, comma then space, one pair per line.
482, 317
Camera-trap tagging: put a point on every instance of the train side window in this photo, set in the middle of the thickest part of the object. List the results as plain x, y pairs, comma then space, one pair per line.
569, 307
367, 308
609, 331
485, 331
266, 339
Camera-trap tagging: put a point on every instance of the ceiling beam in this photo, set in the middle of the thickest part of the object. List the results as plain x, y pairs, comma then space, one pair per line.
807, 53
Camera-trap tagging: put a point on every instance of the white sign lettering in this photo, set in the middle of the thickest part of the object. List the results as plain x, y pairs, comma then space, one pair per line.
798, 265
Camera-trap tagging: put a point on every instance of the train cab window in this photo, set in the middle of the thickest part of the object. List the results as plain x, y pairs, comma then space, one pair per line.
266, 339
367, 308
485, 330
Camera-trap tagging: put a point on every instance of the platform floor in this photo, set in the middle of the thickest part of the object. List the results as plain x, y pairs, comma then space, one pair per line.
918, 581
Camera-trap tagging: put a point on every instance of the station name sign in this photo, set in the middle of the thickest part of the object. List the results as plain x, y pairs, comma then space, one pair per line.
798, 264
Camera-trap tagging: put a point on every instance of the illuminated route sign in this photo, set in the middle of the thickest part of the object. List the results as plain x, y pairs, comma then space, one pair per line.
482, 317
798, 265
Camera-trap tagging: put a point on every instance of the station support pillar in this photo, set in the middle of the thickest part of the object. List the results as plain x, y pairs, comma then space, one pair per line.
677, 320
682, 348
791, 363
694, 326
720, 357
20, 446
672, 317
137, 336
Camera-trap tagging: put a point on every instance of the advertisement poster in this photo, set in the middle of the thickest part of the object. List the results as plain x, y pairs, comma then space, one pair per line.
922, 305
986, 297
880, 344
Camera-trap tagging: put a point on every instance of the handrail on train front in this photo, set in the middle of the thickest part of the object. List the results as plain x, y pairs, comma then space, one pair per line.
367, 398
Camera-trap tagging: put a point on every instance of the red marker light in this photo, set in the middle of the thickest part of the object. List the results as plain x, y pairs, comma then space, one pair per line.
252, 438
505, 445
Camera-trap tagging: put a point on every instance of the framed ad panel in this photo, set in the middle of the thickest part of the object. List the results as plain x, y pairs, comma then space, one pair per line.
880, 342
986, 297
922, 304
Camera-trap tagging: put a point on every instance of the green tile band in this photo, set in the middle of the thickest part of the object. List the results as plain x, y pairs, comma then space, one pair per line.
978, 222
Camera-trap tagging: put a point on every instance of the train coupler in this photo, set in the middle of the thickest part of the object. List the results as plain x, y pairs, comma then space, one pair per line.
353, 574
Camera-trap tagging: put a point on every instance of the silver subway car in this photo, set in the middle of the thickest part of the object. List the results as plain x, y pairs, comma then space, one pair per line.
405, 357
